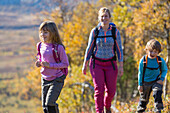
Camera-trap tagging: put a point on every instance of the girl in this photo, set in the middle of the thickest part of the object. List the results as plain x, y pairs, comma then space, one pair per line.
103, 65
51, 71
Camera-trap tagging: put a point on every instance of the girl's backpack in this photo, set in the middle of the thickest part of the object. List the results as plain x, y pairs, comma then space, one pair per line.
55, 55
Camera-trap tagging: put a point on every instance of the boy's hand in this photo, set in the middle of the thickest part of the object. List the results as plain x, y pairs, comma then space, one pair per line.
45, 64
38, 63
160, 82
140, 88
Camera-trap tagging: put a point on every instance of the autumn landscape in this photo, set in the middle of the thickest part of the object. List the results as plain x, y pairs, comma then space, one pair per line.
137, 20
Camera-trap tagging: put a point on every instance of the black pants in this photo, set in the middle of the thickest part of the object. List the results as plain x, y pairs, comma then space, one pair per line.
50, 93
144, 96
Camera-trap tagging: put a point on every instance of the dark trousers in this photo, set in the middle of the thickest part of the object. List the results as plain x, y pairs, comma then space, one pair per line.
50, 93
148, 87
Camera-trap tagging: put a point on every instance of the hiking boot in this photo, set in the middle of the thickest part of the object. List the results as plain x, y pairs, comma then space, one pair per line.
108, 110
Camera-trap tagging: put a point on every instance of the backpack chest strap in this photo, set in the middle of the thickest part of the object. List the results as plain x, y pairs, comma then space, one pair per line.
104, 36
153, 68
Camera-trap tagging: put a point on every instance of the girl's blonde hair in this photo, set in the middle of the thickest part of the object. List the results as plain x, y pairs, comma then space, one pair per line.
104, 10
153, 44
51, 27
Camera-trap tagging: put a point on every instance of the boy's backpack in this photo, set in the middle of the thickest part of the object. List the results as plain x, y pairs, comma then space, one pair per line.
96, 31
55, 55
145, 59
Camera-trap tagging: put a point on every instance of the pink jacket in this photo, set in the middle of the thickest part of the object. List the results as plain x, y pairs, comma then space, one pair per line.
47, 55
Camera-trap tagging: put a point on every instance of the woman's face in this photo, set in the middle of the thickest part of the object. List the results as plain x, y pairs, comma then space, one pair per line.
104, 18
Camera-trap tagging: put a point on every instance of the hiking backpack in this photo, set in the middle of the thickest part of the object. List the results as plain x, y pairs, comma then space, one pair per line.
96, 31
55, 55
145, 59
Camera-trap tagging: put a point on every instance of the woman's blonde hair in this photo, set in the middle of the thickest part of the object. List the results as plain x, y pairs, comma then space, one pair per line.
153, 44
51, 27
104, 10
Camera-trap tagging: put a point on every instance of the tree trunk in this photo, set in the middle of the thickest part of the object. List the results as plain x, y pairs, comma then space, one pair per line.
166, 83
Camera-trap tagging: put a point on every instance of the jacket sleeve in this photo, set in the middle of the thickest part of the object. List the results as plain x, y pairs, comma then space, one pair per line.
164, 69
140, 72
90, 46
119, 49
38, 57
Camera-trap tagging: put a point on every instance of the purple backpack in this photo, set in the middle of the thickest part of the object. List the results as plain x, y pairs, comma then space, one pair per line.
56, 57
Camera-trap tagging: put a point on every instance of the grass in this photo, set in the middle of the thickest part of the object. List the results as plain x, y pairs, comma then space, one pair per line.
16, 49
13, 104
16, 57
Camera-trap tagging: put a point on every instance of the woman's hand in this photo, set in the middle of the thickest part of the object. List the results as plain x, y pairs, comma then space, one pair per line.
84, 70
45, 64
140, 88
38, 63
120, 71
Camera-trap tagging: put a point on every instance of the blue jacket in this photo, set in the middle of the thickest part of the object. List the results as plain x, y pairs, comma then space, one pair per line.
151, 75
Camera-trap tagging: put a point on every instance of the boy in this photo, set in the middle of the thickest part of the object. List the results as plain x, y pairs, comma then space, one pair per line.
151, 74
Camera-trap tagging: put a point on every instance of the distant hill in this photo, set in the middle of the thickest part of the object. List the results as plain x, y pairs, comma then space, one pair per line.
19, 2
10, 2
26, 6
34, 6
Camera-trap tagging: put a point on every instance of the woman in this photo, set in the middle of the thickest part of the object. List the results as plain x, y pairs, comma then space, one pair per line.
103, 66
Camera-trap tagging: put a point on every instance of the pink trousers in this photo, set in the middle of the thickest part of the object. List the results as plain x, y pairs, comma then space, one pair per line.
104, 80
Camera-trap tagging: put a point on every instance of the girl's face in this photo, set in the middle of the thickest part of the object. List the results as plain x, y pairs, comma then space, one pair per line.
104, 18
152, 53
45, 36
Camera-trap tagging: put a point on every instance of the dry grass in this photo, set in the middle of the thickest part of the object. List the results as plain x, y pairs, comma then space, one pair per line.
16, 46
17, 49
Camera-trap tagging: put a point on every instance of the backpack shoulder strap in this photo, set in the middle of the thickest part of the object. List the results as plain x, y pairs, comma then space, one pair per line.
114, 38
96, 32
55, 52
144, 67
38, 50
114, 32
38, 46
57, 57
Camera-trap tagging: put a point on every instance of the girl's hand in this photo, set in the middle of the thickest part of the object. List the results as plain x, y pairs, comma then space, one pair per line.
140, 88
38, 63
45, 64
160, 82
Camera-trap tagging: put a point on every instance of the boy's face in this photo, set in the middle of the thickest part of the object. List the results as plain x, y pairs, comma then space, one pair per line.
152, 53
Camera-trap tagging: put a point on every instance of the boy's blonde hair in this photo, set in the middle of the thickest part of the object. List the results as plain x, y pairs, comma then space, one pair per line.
153, 44
51, 27
104, 10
